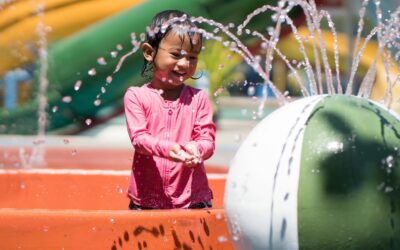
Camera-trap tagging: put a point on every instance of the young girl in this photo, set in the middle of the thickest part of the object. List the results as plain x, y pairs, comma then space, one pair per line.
169, 123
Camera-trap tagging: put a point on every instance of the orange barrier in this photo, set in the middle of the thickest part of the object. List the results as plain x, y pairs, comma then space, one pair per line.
87, 209
76, 189
77, 229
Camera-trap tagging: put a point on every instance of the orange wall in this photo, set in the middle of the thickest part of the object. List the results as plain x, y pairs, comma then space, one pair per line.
79, 229
87, 209
75, 189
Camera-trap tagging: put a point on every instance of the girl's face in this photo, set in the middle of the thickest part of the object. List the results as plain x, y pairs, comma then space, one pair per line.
175, 60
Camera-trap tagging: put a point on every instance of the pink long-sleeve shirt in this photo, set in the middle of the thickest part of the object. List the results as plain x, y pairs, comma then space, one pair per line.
154, 125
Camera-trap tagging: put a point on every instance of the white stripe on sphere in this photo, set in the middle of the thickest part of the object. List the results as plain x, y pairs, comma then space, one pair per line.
261, 189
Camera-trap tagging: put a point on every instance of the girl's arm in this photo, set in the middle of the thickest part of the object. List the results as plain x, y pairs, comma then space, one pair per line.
204, 128
136, 121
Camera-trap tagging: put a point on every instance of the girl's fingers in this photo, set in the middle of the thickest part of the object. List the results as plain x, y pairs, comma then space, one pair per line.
181, 156
177, 156
192, 162
189, 155
192, 149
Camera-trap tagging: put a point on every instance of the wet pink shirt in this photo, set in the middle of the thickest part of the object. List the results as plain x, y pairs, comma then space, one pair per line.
154, 125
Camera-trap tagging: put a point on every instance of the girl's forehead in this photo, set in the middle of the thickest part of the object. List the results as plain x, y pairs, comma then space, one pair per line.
174, 39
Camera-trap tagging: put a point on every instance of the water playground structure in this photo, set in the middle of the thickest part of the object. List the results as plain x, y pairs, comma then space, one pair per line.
326, 166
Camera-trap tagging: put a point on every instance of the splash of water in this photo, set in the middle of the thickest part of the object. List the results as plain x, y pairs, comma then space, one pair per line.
37, 156
386, 32
319, 75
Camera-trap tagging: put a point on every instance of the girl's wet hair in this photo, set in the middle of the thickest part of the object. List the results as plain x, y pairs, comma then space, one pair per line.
157, 30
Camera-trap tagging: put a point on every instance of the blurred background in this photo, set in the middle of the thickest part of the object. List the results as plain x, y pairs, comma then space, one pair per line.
61, 97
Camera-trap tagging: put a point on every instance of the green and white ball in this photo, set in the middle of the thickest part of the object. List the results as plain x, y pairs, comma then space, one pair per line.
319, 173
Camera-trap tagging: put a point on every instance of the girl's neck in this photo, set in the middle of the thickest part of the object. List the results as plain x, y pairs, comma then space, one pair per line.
170, 94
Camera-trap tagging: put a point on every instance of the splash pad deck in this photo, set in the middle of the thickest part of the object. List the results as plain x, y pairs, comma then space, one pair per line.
84, 205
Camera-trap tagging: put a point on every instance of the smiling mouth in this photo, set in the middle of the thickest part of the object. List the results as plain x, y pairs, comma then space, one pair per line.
178, 74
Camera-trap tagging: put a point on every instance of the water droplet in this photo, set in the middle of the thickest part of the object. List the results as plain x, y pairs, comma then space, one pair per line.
112, 220
97, 102
66, 141
103, 90
92, 72
264, 45
390, 161
66, 99
142, 37
22, 185
114, 54
73, 152
109, 79
388, 189
251, 91
88, 121
120, 190
77, 85
54, 109
119, 47
220, 66
101, 61
254, 116
221, 239
335, 147
270, 31
46, 229
219, 91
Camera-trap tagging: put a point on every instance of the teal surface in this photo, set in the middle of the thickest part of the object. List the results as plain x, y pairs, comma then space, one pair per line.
349, 196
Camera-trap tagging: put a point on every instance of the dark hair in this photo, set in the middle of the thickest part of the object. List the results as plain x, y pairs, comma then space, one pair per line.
156, 31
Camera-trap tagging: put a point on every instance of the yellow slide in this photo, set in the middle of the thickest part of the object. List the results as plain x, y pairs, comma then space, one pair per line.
18, 24
289, 47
